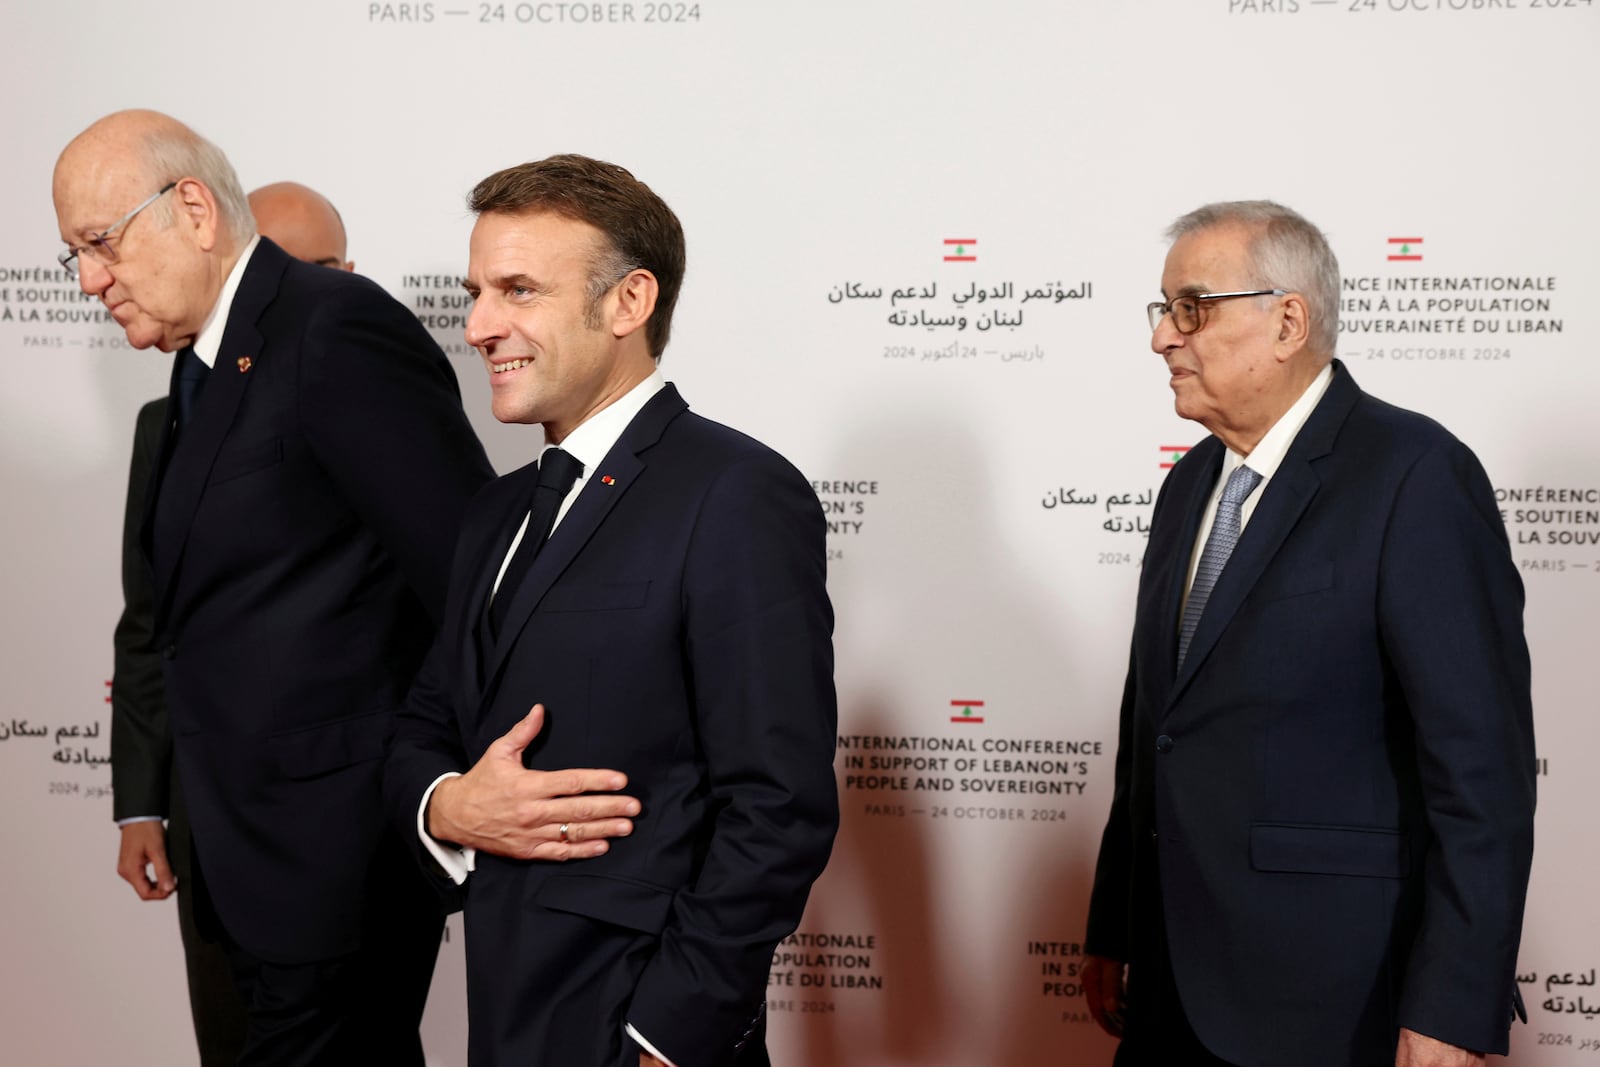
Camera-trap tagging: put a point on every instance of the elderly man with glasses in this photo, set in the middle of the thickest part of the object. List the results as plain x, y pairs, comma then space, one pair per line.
1322, 825
297, 533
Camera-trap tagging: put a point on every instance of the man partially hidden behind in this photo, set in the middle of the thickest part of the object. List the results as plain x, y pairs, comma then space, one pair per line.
1320, 837
157, 861
674, 627
298, 528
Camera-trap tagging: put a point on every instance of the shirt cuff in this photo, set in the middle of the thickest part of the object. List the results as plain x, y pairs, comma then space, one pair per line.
456, 862
130, 820
647, 1046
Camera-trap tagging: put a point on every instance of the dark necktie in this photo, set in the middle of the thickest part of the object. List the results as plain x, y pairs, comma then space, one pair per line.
1219, 546
557, 471
189, 377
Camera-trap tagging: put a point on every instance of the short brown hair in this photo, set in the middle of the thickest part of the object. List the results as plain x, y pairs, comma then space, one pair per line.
642, 230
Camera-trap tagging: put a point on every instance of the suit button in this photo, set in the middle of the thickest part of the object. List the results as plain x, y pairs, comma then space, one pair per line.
170, 652
1163, 743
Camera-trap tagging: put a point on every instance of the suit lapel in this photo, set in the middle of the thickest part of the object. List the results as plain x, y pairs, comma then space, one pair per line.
1284, 500
189, 461
501, 527
623, 465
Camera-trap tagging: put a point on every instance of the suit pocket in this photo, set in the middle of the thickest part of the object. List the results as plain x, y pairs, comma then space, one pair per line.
1363, 852
611, 596
618, 901
1312, 579
236, 462
333, 746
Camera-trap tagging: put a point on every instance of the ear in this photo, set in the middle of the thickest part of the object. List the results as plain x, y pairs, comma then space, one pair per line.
197, 209
1294, 326
635, 299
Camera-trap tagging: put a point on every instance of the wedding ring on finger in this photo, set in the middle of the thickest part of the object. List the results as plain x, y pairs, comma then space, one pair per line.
564, 827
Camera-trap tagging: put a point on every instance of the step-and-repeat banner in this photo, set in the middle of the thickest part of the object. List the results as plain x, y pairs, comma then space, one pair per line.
921, 237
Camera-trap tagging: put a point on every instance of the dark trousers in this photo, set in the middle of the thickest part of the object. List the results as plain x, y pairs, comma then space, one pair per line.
214, 1002
361, 1008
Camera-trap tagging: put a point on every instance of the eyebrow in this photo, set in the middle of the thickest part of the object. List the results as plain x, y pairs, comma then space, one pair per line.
508, 281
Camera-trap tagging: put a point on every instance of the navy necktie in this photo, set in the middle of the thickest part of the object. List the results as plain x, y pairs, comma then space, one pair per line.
557, 471
1219, 546
189, 378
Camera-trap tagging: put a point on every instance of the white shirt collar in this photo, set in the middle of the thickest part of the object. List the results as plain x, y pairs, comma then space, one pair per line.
208, 342
595, 436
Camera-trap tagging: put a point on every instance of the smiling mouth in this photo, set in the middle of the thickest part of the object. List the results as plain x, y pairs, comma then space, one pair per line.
503, 368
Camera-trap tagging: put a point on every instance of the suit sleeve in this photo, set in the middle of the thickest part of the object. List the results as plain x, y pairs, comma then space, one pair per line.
1110, 899
141, 739
381, 408
758, 634
1450, 604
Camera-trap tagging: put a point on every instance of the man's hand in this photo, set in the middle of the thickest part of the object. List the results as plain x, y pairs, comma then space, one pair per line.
647, 1060
1419, 1050
1105, 993
500, 806
143, 853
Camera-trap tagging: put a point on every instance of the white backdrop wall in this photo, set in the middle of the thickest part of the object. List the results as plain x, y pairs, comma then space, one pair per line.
986, 433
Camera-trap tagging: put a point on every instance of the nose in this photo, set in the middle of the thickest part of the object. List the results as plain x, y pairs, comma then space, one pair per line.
1165, 337
94, 277
484, 327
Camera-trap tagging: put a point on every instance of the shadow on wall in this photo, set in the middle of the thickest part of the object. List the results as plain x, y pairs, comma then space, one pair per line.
932, 605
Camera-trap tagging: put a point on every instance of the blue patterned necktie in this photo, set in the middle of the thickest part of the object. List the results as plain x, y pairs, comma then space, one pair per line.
1219, 546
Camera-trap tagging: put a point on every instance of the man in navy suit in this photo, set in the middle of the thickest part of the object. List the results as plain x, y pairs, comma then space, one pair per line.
298, 529
1322, 825
152, 858
674, 629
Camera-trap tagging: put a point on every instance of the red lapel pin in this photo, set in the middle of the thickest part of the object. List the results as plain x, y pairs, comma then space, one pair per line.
244, 364
608, 479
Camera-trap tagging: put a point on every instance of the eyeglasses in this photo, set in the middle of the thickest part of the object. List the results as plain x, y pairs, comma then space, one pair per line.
99, 246
1189, 312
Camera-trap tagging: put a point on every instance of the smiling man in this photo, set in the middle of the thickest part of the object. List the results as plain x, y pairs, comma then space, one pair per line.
296, 536
1320, 837
653, 589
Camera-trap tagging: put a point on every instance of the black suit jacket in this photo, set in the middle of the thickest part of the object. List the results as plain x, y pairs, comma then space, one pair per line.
1336, 790
299, 538
677, 628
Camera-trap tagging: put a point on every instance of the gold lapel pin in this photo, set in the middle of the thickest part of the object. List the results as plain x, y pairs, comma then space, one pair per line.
244, 364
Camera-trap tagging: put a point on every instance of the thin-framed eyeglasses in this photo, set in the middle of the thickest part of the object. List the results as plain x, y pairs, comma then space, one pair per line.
1189, 311
99, 247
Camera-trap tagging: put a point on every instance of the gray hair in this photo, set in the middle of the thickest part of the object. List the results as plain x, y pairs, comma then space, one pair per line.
179, 152
1286, 252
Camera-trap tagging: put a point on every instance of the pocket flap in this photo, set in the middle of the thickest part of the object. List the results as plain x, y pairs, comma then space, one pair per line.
321, 749
619, 901
234, 462
611, 596
1310, 579
1366, 852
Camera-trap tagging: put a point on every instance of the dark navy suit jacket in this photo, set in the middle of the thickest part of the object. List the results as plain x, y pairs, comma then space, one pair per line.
300, 536
677, 628
1336, 790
